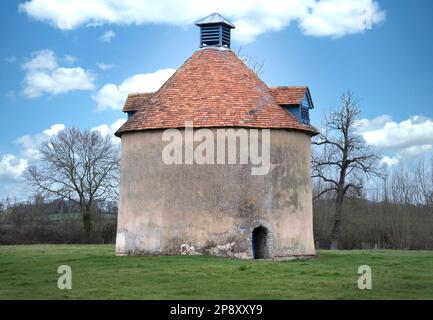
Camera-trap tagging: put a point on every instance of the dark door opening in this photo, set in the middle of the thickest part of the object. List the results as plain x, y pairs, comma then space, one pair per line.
259, 242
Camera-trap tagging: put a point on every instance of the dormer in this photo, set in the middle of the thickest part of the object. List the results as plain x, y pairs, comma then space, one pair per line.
135, 101
296, 100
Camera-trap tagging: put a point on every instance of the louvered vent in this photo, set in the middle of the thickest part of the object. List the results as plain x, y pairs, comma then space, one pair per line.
301, 112
305, 115
215, 31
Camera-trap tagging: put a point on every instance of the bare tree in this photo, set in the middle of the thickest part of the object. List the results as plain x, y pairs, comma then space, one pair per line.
81, 166
424, 176
403, 190
24, 214
341, 159
256, 66
15, 213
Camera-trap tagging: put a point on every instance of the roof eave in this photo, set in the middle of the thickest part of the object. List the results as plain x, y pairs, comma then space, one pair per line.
308, 129
208, 21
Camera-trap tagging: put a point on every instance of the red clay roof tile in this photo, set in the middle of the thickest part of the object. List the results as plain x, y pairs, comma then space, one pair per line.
288, 95
213, 88
136, 100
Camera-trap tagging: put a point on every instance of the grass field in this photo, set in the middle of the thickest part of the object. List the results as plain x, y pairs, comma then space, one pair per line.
30, 272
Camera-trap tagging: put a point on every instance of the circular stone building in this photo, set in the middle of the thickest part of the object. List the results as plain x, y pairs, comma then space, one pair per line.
202, 202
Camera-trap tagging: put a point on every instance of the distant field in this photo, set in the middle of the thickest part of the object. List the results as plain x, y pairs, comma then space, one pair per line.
30, 272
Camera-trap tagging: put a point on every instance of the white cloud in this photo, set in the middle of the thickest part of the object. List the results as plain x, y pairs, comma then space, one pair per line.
107, 36
365, 125
112, 96
104, 66
417, 150
70, 59
408, 138
44, 75
333, 18
390, 161
110, 129
29, 143
11, 167
54, 130
337, 18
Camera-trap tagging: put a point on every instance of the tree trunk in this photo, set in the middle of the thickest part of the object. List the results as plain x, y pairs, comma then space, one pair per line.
336, 228
87, 222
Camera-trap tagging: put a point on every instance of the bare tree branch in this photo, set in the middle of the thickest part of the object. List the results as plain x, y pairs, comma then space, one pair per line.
256, 66
341, 156
81, 166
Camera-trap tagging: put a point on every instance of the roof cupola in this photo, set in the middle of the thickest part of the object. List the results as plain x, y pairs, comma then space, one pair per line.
215, 31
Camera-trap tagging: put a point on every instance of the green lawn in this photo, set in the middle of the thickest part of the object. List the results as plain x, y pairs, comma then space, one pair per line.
30, 272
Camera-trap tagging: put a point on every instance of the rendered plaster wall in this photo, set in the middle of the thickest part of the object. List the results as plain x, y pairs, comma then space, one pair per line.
214, 208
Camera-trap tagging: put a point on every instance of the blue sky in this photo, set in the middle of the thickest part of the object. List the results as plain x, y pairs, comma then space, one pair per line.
301, 42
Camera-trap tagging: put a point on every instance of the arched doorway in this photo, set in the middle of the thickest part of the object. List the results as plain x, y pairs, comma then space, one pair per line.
260, 243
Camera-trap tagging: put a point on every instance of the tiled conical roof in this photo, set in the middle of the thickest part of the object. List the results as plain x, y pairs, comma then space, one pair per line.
213, 88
